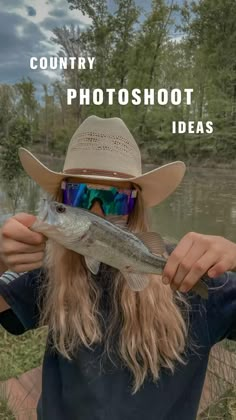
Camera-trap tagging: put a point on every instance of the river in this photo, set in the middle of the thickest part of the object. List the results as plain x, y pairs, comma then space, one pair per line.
205, 202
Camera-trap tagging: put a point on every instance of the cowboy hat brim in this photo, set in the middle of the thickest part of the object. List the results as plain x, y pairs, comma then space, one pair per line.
156, 185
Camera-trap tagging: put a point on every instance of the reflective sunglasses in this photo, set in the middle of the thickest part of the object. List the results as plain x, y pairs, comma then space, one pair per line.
113, 201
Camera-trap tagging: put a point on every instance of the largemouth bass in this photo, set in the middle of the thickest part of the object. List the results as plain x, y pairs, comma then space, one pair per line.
100, 241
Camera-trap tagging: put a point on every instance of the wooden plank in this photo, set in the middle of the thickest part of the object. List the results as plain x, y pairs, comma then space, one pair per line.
20, 402
220, 377
23, 393
32, 382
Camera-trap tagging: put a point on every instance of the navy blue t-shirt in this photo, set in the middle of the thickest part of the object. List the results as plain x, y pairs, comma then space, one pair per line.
91, 387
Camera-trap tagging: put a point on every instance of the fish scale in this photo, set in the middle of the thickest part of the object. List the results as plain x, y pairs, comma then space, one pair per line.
98, 240
126, 245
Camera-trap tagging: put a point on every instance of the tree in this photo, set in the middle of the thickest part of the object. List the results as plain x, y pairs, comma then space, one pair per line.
27, 103
147, 59
7, 110
97, 42
124, 20
210, 29
69, 39
12, 173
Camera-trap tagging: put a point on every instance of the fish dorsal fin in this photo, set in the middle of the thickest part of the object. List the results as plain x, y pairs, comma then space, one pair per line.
136, 281
92, 264
153, 241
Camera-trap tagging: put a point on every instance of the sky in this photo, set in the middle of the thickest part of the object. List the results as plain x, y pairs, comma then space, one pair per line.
25, 31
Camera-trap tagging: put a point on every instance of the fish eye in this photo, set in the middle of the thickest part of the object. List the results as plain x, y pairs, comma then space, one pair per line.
60, 209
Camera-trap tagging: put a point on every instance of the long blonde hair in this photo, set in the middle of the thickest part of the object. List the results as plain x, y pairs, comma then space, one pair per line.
151, 326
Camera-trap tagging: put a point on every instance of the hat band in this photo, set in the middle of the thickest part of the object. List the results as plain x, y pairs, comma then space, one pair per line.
97, 172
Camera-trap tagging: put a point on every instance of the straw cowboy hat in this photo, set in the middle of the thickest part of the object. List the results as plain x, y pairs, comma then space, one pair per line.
105, 150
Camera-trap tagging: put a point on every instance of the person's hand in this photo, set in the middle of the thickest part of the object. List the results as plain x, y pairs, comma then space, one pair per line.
20, 248
196, 255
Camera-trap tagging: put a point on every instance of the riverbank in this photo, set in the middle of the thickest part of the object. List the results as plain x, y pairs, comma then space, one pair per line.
57, 162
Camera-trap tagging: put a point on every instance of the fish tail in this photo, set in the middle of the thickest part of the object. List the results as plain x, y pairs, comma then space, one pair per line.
201, 289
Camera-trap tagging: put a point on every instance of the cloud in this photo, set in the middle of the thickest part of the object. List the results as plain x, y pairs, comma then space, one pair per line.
17, 46
26, 31
31, 11
50, 23
57, 13
16, 72
12, 4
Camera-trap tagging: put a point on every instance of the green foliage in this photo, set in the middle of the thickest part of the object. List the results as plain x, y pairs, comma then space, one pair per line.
59, 143
19, 135
7, 109
135, 50
23, 353
11, 171
223, 409
5, 412
26, 104
18, 354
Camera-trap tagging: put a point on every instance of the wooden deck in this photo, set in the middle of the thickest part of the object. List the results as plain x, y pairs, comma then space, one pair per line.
23, 393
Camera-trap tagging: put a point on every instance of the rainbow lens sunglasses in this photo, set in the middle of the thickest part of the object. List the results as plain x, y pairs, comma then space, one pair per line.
113, 201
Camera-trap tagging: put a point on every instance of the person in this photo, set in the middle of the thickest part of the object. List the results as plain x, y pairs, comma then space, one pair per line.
113, 353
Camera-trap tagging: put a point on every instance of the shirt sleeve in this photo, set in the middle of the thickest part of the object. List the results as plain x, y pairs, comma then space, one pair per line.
21, 292
221, 308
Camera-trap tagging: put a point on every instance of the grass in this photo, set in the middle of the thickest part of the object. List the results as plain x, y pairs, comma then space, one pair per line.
229, 345
19, 354
5, 412
224, 409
